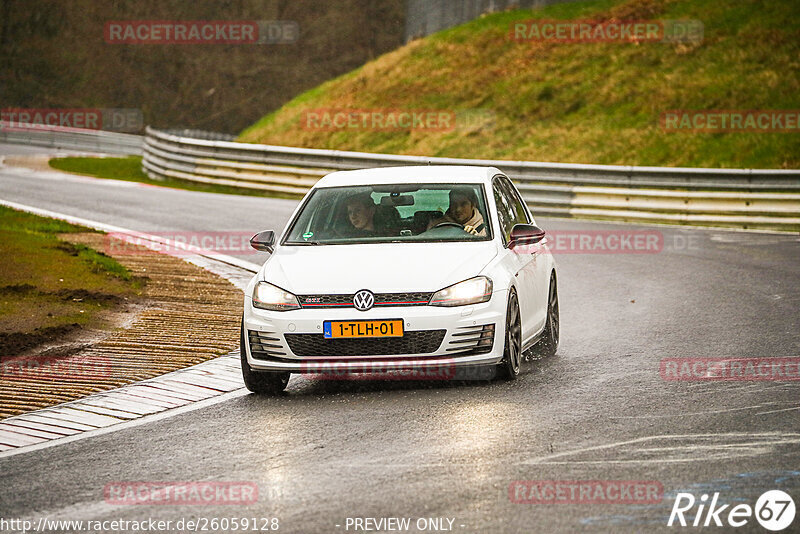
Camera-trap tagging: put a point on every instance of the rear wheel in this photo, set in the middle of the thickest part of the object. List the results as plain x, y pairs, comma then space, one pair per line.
267, 382
512, 352
548, 345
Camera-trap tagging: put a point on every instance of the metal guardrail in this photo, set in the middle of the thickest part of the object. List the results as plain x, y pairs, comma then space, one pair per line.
200, 134
100, 141
741, 198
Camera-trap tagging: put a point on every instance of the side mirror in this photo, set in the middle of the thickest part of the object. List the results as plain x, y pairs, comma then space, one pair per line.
525, 234
263, 241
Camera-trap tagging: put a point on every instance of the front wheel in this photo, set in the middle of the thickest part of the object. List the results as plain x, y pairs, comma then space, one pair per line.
512, 352
267, 382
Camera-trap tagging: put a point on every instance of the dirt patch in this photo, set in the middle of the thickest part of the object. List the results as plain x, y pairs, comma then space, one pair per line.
80, 295
35, 162
19, 343
76, 295
17, 289
116, 311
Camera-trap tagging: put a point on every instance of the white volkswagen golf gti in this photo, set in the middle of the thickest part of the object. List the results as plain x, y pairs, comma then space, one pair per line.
398, 269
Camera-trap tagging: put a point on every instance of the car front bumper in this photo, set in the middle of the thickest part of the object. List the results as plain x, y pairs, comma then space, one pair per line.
460, 324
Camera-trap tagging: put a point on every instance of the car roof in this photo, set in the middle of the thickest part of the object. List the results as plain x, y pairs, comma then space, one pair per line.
410, 175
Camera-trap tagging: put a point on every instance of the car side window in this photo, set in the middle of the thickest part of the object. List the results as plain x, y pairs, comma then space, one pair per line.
505, 209
520, 214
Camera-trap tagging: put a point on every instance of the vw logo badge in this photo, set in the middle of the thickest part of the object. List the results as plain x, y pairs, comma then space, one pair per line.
363, 300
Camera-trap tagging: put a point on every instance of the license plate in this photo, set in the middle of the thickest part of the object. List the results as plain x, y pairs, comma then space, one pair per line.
391, 328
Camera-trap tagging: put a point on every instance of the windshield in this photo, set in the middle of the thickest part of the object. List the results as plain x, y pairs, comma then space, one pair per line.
392, 213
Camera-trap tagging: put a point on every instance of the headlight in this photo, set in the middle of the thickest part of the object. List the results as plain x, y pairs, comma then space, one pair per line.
472, 291
269, 297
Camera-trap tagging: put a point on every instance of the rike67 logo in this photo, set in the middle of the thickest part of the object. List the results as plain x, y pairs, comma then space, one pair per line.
774, 511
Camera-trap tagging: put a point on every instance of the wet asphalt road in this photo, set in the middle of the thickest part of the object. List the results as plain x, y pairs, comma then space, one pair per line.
598, 410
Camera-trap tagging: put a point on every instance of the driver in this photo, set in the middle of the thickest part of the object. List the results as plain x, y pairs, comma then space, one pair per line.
463, 210
361, 213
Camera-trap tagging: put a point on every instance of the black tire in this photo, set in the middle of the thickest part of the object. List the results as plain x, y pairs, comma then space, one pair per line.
509, 367
264, 382
548, 345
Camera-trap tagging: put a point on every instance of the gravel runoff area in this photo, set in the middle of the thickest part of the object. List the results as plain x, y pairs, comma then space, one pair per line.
191, 316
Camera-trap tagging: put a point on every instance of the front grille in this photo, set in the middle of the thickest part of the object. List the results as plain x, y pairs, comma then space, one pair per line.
265, 345
381, 299
412, 342
469, 340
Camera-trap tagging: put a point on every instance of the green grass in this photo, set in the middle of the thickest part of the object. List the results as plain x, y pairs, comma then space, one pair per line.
130, 169
582, 102
49, 283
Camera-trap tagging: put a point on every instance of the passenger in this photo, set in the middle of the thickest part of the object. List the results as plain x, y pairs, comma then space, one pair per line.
464, 211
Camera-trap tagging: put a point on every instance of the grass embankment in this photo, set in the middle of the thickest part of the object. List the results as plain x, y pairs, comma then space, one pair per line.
50, 288
130, 169
127, 168
578, 102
